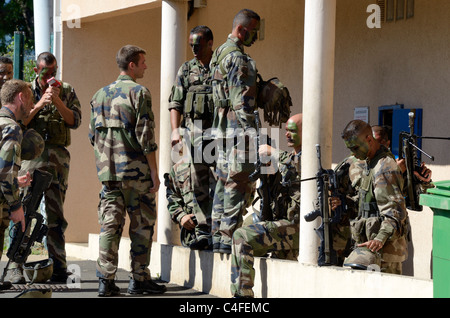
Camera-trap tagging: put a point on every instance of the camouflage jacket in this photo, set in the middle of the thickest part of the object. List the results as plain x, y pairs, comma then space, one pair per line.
191, 73
287, 189
387, 184
193, 76
234, 87
121, 129
179, 193
10, 150
48, 121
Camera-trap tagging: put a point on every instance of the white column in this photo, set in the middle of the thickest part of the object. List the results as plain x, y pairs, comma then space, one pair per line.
57, 35
173, 54
43, 13
318, 82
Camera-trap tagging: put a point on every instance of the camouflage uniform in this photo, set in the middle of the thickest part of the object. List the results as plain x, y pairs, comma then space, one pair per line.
10, 152
382, 212
191, 75
279, 237
180, 195
55, 159
234, 93
342, 242
122, 133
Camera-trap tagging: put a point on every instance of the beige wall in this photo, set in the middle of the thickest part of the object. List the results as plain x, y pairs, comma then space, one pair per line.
89, 64
405, 62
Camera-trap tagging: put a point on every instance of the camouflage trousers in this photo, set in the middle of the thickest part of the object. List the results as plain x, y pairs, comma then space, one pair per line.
232, 194
281, 238
55, 160
116, 200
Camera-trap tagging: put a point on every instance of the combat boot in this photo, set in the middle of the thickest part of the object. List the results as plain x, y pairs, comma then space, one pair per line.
107, 288
146, 286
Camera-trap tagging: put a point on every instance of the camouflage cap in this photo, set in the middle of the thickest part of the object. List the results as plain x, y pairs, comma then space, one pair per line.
362, 258
32, 145
39, 271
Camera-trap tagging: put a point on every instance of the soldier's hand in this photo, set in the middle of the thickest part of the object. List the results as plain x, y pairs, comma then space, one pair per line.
54, 91
24, 181
401, 164
187, 223
265, 150
373, 245
156, 183
334, 202
425, 173
175, 137
18, 216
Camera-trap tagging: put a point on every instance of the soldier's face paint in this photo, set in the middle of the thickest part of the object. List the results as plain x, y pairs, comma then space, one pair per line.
358, 146
45, 72
294, 138
200, 47
194, 42
251, 33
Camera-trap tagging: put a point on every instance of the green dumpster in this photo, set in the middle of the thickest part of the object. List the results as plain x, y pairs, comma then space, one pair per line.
438, 199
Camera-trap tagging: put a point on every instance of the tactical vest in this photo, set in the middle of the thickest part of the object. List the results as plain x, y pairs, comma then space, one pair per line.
49, 123
199, 102
367, 203
284, 189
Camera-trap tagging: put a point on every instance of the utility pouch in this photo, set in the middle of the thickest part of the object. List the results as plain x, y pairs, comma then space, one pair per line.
358, 230
373, 225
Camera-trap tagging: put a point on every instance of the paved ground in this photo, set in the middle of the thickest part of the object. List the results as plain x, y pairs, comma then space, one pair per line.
87, 287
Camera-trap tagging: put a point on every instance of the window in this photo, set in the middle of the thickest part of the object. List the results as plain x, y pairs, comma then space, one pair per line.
396, 10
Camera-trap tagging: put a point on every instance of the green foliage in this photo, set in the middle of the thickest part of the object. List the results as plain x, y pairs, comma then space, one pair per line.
16, 15
29, 63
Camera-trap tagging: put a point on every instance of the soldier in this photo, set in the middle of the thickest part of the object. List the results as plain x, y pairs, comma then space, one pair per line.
6, 70
381, 133
191, 98
121, 130
17, 101
280, 236
380, 228
234, 92
6, 73
56, 112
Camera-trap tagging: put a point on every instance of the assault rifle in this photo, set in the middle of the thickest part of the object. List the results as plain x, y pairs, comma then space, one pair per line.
35, 229
409, 148
265, 213
326, 181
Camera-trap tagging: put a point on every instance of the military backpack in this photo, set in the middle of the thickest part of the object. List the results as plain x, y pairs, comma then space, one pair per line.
272, 95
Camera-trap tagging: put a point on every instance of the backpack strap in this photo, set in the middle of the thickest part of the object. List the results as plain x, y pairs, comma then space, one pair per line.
217, 60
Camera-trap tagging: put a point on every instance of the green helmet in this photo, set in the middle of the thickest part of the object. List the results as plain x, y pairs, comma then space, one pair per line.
39, 271
32, 145
363, 258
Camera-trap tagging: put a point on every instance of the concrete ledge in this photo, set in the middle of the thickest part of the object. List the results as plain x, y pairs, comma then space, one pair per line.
210, 273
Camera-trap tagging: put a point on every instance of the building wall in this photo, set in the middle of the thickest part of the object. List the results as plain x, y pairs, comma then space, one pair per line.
403, 62
89, 64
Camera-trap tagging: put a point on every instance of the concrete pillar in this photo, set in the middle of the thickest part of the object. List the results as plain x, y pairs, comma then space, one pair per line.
318, 83
173, 54
43, 16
